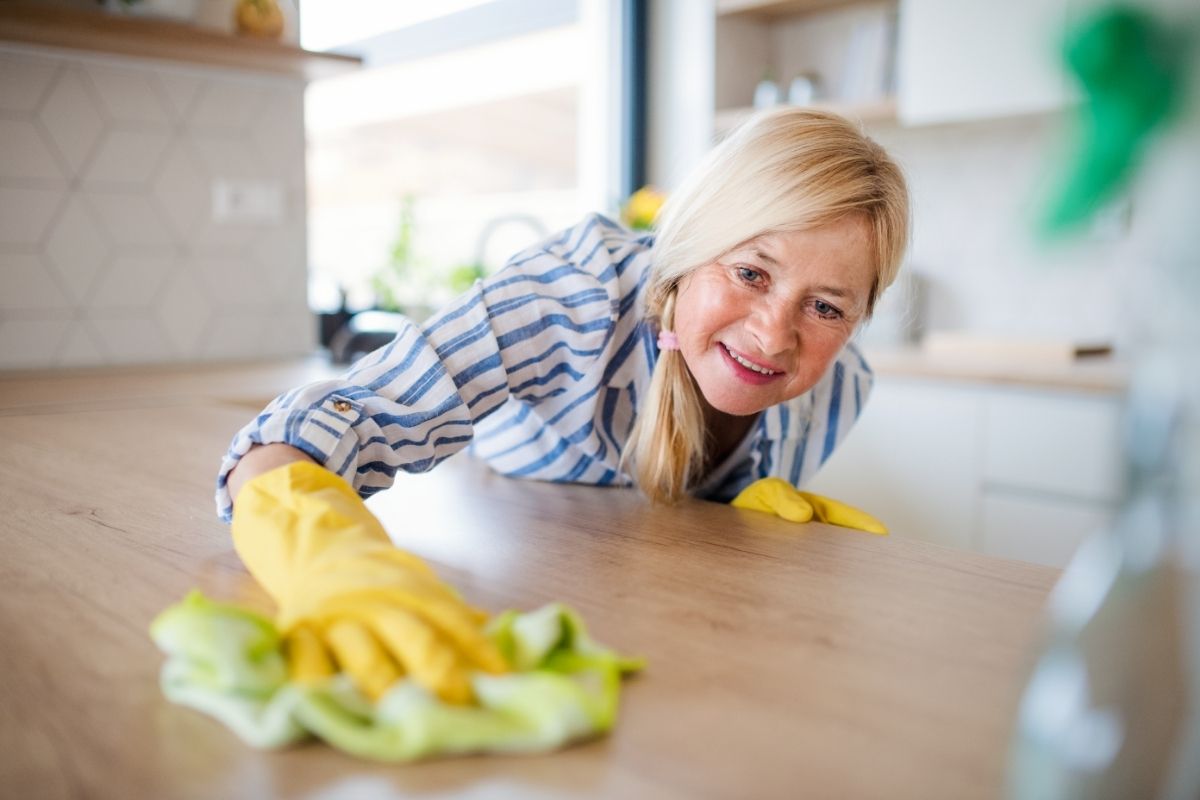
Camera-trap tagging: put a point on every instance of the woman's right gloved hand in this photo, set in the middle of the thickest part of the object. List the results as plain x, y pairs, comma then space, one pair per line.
348, 599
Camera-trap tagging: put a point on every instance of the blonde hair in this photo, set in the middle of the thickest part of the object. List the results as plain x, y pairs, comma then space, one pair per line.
783, 170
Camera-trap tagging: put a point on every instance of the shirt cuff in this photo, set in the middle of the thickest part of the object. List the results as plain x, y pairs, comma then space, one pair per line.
321, 431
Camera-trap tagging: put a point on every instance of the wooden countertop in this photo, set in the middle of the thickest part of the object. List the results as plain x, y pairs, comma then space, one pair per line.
1103, 374
783, 660
252, 384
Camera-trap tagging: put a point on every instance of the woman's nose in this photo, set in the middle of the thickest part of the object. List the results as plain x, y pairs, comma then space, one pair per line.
773, 328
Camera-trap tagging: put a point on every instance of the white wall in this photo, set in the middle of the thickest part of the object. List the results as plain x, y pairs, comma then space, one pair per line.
977, 189
680, 94
108, 250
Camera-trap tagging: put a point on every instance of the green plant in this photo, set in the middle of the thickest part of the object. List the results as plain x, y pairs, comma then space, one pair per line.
399, 271
463, 277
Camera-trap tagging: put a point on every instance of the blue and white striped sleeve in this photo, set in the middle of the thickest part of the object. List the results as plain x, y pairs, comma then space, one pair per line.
527, 332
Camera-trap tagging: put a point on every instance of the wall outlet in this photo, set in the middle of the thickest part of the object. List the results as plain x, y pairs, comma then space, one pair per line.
247, 201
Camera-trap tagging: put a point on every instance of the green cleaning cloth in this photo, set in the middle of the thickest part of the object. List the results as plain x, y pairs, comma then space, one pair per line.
228, 662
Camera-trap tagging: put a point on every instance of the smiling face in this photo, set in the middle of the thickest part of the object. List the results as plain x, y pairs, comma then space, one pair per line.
761, 324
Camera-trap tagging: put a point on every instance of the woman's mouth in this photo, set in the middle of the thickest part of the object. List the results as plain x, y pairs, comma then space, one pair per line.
747, 370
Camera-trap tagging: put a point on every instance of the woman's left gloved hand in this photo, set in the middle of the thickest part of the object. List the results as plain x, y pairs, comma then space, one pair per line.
777, 496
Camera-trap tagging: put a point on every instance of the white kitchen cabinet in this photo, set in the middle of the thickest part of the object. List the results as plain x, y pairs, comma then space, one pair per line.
911, 460
1020, 472
961, 60
1042, 529
1063, 443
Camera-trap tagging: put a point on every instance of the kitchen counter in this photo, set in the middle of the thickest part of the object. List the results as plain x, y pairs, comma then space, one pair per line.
1103, 374
252, 384
783, 660
255, 384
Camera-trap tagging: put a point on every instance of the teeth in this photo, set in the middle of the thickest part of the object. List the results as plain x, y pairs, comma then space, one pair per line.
749, 365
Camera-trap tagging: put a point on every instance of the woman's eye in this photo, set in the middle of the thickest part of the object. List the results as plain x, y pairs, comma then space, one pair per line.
749, 275
825, 310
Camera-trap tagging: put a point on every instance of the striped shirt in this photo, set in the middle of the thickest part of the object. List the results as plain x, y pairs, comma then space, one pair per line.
538, 369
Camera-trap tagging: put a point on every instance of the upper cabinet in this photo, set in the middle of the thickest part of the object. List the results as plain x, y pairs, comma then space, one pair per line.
921, 61
973, 59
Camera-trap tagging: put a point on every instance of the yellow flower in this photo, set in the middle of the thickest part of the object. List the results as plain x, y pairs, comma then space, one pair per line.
642, 207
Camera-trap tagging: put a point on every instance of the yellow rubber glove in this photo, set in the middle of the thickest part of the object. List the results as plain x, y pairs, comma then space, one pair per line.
348, 598
777, 496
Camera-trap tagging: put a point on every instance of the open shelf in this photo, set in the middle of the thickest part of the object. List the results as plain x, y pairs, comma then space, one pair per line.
777, 8
883, 110
100, 32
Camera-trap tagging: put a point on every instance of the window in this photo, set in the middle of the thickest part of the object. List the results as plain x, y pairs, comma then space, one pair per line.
467, 136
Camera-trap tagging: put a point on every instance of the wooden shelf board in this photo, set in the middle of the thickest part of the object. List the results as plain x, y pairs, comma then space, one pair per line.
776, 8
883, 110
100, 32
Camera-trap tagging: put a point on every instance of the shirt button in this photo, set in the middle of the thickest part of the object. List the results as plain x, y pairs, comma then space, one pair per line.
341, 406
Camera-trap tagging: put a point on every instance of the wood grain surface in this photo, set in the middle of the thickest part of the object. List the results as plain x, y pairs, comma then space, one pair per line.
251, 384
784, 660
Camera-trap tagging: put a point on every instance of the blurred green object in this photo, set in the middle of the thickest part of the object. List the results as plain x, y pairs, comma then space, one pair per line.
1131, 67
463, 276
228, 663
389, 282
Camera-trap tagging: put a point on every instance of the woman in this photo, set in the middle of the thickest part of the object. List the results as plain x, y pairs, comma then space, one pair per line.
711, 360
767, 260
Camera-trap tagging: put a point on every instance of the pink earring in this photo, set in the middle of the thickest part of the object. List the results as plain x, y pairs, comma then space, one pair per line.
667, 341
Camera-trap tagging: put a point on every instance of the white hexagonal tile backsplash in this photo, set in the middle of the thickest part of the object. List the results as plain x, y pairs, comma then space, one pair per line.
80, 348
70, 118
185, 312
29, 284
135, 339
181, 90
227, 107
134, 280
109, 252
24, 80
126, 158
131, 218
183, 190
77, 248
26, 213
24, 153
29, 343
129, 94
